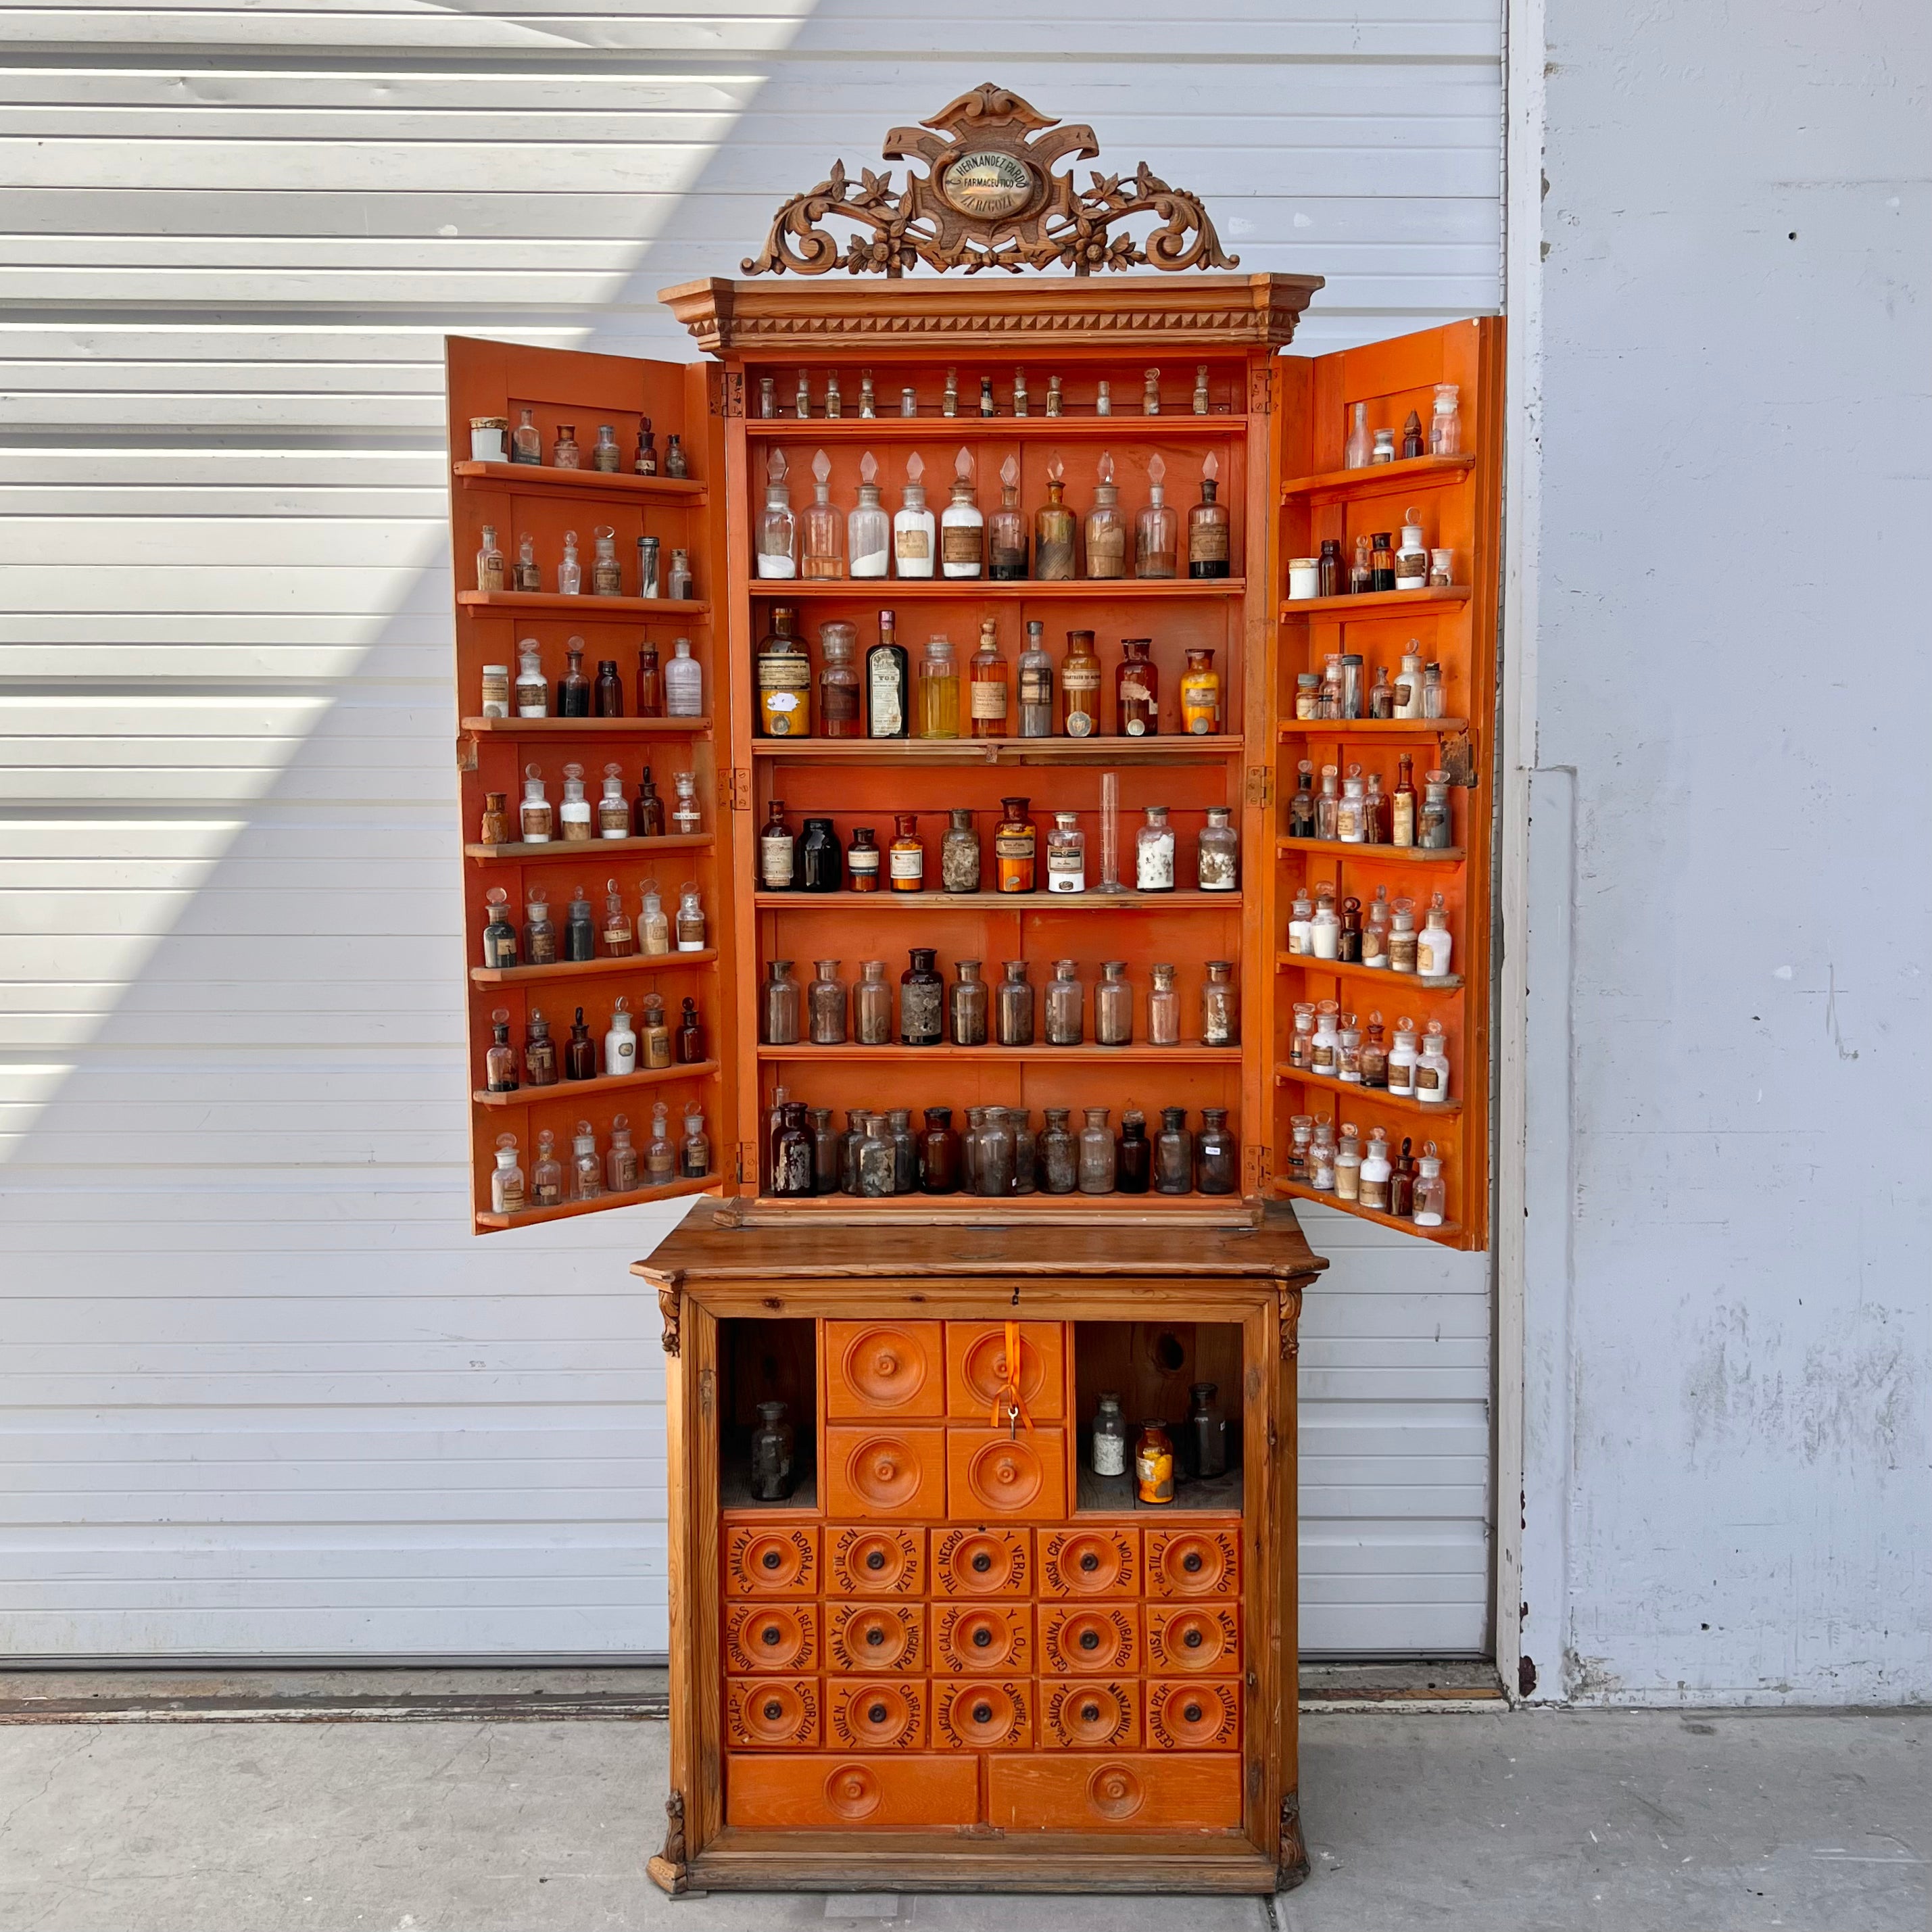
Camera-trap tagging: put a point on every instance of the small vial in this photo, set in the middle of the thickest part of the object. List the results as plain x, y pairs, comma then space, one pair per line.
694, 1156
499, 1059
690, 920
1053, 396
506, 1180
620, 1159
586, 1170
546, 1173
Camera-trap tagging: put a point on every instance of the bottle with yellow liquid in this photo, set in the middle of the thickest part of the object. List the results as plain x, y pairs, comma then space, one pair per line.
939, 691
1200, 695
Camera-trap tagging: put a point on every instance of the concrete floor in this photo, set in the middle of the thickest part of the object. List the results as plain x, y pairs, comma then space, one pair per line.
1492, 1822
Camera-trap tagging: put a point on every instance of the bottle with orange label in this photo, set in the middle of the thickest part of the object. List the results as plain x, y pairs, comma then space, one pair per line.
1016, 848
990, 684
1200, 695
1153, 1464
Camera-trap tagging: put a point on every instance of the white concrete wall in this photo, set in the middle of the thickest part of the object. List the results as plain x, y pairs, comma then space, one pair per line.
1728, 1302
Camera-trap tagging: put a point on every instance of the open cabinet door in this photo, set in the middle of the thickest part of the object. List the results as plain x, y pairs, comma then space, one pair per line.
516, 625
1450, 629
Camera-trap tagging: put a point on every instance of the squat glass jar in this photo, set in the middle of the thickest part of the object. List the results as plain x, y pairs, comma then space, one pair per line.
968, 1005
1066, 1006
1097, 1156
825, 1001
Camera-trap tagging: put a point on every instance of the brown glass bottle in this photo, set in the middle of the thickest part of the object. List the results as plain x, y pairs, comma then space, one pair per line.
1080, 687
1137, 690
1133, 1160
907, 860
607, 699
1382, 561
939, 1153
1015, 848
1217, 1160
690, 1041
862, 860
650, 682
783, 669
922, 1001
580, 1051
647, 813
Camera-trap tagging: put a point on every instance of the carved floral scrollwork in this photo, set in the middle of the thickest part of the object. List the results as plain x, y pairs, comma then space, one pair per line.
989, 199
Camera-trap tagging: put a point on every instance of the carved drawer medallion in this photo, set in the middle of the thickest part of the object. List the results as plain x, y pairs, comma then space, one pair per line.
887, 1367
982, 1562
1203, 1638
1090, 1562
992, 1639
1202, 1715
770, 1712
876, 1562
1193, 1562
976, 1369
982, 1717
1089, 1716
885, 1473
1086, 1638
875, 1636
776, 1637
875, 1717
766, 1562
992, 1473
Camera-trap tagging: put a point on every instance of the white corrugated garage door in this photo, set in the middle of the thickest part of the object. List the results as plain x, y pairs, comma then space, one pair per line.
262, 1393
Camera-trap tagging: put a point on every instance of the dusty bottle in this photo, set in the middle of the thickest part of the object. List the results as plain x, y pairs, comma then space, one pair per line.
1106, 526
586, 1170
490, 570
791, 1153
824, 1152
840, 703
1080, 687
962, 525
546, 1173
1056, 1162
677, 465
1065, 1003
783, 670
1015, 848
968, 1006
825, 1001
959, 853
1013, 1007
1220, 1005
644, 458
1217, 1167
529, 572
877, 1166
1218, 853
1209, 545
922, 1001
495, 827
1157, 527
1107, 1449
990, 684
539, 930
1113, 1005
872, 1005
1053, 527
1137, 690
605, 456
905, 869
1163, 1009
772, 1446
499, 1059
1006, 529
606, 575
822, 539
1173, 1153
1098, 1156
1154, 853
660, 1155
778, 1007
905, 1150
939, 1153
1301, 809
993, 1157
622, 1171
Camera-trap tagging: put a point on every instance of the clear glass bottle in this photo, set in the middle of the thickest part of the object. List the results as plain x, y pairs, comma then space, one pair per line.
1322, 1157
1173, 1153
1351, 820
1220, 1005
1325, 1050
1201, 388
687, 815
613, 808
1431, 1065
607, 573
1209, 533
1355, 454
1103, 400
1053, 398
872, 1005
1445, 422
1325, 929
1080, 687
1301, 1132
526, 439
1301, 813
1107, 1447
993, 1164
778, 1007
1218, 853
615, 936
1435, 944
1053, 527
990, 684
962, 525
1013, 1006
1036, 685
1099, 1161
1106, 526
1026, 1151
1404, 948
824, 540
877, 1166
694, 1155
1401, 803
570, 571
622, 1173
1361, 571
840, 703
1154, 853
677, 465
1431, 1190
1065, 1003
1007, 529
1348, 1052
533, 687
546, 1173
825, 1001
1020, 406
908, 402
939, 690
1057, 1161
869, 530
1348, 1163
534, 822
1432, 832
1015, 848
586, 1170
539, 930
683, 682
1403, 1058
922, 1001
1301, 1040
869, 406
1137, 690
653, 922
776, 544
500, 1058
772, 1448
660, 1157
1217, 1156
507, 1195
1300, 917
1163, 1008
1113, 1005
913, 527
835, 403
1328, 804
905, 862
802, 403
1383, 451
968, 1006
959, 853
490, 573
1157, 527
1066, 854
529, 571
574, 813
690, 919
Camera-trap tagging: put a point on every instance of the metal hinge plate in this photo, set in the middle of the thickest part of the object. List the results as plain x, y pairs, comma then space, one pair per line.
747, 1163
734, 789
1459, 758
1260, 1161
1260, 786
727, 397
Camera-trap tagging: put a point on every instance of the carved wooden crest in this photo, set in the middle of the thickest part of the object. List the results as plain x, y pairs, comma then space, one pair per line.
989, 199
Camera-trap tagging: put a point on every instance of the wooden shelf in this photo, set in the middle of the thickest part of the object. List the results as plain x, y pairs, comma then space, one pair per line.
1340, 969
1374, 1096
588, 969
974, 426
598, 485
1379, 479
1013, 902
1369, 603
896, 590
1373, 727
1114, 1496
1189, 1053
968, 1211
564, 1209
1296, 1190
589, 728
605, 1083
1172, 750
572, 848
591, 610
1419, 855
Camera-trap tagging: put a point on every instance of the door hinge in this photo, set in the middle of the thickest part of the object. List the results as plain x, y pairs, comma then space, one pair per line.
1261, 390
1459, 758
1260, 1168
734, 789
747, 1163
1260, 788
727, 398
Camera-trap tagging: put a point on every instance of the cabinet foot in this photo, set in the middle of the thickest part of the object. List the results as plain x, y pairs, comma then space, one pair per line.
1292, 1863
668, 1871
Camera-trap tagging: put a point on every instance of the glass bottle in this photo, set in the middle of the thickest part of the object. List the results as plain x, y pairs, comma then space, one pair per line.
606, 696
802, 405
573, 687
1053, 396
939, 691
1173, 1153
1356, 450
1080, 687
1348, 1052
825, 1140
872, 1005
1301, 1132
1036, 684
574, 813
1374, 1054
994, 1160
1217, 1166
1325, 929
1348, 1163
1210, 534
1383, 451
586, 1170
687, 815
968, 1006
677, 465
1065, 1003
570, 571
500, 935
1020, 408
959, 854
1301, 914
694, 1155
1218, 853
962, 525
840, 712
1401, 803
1321, 1158
526, 439
877, 1166
1348, 945
908, 402
1066, 854
534, 819
913, 525
905, 1150
1381, 561
1411, 435
1435, 943
1220, 1005
1013, 1007
1103, 400
820, 862
580, 1051
660, 1158
1157, 527
991, 684
1351, 820
791, 1157
1411, 556
539, 934
607, 573
1403, 946
580, 931
1431, 1065
862, 860
1053, 526
1098, 1162
532, 688
1163, 1008
1015, 848
1361, 571
654, 1052
1373, 1178
1301, 1041
1137, 690
869, 530
1106, 526
1330, 579
499, 1059
772, 1450
824, 536
1301, 813
506, 1180
1207, 1433
653, 922
1445, 422
1113, 1005
905, 867
1154, 853
1401, 1060
644, 458
490, 571
835, 403
922, 1001
615, 935
939, 1153
1134, 1157
650, 682
1441, 569
690, 919
1432, 691
888, 688
1056, 1163
1026, 1151
1432, 825
1006, 529
1200, 694
1328, 804
1432, 1191
1107, 1448
869, 407
683, 682
778, 1007
622, 1169
1326, 1047
546, 1173
529, 571
564, 453
783, 670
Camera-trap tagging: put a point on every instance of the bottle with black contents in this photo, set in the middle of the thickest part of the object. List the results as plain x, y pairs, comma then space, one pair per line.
1381, 561
573, 688
689, 1045
1133, 1166
580, 1051
821, 867
1216, 1157
647, 813
1207, 1433
922, 1001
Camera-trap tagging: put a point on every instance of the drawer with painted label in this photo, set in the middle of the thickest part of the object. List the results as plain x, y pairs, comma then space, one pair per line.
771, 1713
983, 1562
1090, 1562
874, 1560
773, 1638
881, 1714
875, 1636
982, 1640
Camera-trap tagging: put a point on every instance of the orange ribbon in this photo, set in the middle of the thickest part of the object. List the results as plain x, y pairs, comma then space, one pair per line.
1008, 1402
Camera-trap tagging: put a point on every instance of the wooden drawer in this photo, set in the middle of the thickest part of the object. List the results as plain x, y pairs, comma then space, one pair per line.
870, 1560
770, 1639
874, 1713
989, 1472
975, 1369
1090, 1714
992, 1562
1062, 1793
1195, 1713
982, 1640
1193, 1562
885, 1472
895, 1369
768, 1560
1090, 1562
771, 1713
875, 1636
1201, 1639
988, 1714
1090, 1640
767, 1792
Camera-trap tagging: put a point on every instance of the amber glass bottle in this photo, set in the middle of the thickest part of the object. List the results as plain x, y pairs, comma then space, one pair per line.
1080, 687
784, 678
992, 684
1015, 848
